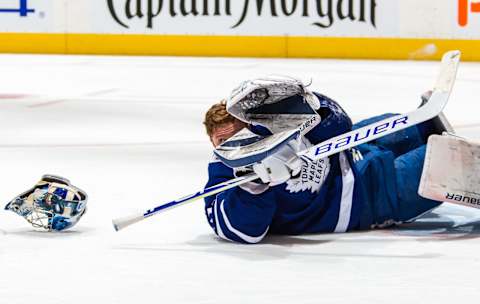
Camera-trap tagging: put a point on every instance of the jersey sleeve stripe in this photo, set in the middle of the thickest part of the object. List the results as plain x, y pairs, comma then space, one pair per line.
217, 223
348, 182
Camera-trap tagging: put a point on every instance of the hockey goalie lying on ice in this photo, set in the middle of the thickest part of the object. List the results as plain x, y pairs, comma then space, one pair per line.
261, 128
289, 161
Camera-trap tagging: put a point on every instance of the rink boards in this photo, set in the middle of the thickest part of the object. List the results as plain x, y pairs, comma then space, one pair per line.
365, 29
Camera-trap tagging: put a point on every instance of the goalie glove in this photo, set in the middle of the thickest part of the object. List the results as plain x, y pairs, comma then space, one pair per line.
277, 103
284, 166
273, 170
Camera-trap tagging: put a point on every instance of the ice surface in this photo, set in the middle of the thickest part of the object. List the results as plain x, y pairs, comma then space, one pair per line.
128, 131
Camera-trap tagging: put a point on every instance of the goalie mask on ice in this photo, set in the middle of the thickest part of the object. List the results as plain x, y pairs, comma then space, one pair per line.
52, 204
282, 105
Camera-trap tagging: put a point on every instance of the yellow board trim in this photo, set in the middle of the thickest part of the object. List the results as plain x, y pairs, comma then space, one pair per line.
237, 46
32, 43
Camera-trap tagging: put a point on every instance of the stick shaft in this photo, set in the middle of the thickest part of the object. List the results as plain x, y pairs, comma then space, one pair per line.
120, 223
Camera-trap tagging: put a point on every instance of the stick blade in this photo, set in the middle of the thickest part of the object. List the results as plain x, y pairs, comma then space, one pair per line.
448, 73
443, 84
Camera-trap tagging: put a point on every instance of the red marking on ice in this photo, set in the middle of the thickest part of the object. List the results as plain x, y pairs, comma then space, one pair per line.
79, 97
12, 96
47, 103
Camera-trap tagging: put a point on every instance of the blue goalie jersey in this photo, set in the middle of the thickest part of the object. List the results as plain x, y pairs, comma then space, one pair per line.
346, 196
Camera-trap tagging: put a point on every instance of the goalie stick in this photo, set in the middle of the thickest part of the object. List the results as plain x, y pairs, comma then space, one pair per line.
438, 100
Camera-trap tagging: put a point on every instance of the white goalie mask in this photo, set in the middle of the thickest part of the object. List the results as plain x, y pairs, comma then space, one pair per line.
52, 204
266, 101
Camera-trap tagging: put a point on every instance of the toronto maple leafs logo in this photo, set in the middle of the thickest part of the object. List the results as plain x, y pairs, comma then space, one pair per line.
311, 177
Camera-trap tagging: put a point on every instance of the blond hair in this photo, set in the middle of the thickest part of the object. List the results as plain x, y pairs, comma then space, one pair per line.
217, 116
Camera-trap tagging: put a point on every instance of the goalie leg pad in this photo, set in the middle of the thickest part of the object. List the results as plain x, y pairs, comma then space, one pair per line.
451, 171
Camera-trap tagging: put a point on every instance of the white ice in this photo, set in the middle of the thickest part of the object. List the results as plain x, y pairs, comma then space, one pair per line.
129, 131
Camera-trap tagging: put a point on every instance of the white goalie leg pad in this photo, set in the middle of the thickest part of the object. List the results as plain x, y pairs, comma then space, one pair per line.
451, 172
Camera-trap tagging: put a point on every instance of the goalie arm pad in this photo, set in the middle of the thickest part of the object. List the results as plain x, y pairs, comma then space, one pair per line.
235, 214
246, 148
